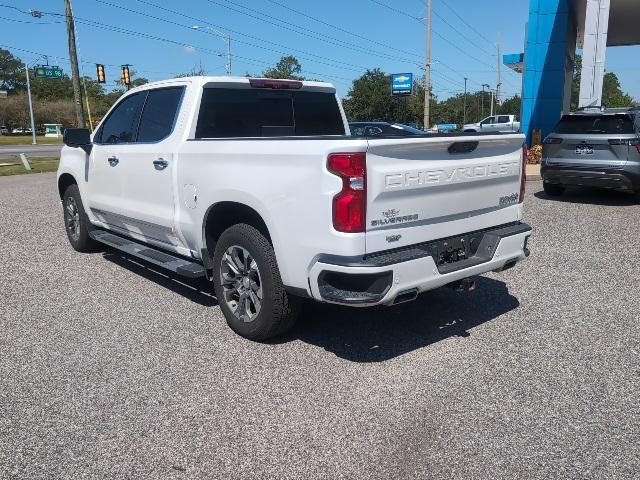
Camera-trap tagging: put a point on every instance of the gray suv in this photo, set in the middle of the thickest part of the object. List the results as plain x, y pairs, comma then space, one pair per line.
594, 147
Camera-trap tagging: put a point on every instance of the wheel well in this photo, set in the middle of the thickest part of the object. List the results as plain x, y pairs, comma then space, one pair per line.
64, 182
223, 215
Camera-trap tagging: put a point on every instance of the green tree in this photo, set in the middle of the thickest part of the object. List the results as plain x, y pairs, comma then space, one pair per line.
612, 94
287, 67
12, 75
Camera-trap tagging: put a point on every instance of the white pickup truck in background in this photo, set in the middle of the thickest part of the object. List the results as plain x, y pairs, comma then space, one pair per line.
494, 124
258, 185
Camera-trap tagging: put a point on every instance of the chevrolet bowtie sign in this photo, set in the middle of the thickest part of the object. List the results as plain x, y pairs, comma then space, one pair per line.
401, 84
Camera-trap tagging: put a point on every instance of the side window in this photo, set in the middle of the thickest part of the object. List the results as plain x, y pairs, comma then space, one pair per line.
122, 123
357, 131
503, 119
488, 121
159, 114
373, 131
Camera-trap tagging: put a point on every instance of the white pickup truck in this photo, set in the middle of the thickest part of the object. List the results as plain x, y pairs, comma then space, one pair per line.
494, 124
257, 185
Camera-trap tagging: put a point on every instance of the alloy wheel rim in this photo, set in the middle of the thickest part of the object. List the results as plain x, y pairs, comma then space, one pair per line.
72, 215
241, 283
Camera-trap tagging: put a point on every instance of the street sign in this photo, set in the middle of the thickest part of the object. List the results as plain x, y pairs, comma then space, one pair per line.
47, 71
401, 84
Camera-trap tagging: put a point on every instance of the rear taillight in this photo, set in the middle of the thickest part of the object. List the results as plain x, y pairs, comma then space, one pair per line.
275, 84
552, 141
349, 206
523, 175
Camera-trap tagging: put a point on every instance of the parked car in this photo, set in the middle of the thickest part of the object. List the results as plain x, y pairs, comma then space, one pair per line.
376, 129
494, 124
18, 131
254, 184
593, 147
4, 130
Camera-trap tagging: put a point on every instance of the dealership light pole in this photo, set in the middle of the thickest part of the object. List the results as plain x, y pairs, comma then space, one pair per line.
73, 57
464, 111
227, 38
488, 86
427, 70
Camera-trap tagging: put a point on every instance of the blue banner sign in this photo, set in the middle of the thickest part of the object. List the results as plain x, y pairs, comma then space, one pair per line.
401, 83
446, 127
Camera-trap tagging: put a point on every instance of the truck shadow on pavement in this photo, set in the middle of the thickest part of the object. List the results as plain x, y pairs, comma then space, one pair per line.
590, 196
198, 291
381, 333
363, 335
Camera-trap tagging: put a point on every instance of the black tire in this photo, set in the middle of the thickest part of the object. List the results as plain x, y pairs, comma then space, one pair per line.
553, 189
76, 223
278, 310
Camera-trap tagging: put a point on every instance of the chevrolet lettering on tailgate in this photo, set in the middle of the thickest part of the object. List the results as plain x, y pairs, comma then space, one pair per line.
453, 175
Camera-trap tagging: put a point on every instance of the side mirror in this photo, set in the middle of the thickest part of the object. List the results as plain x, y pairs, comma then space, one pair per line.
78, 138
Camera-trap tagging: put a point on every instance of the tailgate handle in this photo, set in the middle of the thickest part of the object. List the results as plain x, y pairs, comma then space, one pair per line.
463, 147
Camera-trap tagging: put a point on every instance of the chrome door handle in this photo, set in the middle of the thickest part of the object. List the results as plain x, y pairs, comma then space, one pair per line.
113, 161
160, 164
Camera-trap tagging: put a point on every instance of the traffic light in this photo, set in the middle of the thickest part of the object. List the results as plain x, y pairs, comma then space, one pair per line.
126, 78
100, 73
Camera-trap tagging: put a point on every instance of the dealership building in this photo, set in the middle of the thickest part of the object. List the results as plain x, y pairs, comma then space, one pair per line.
555, 29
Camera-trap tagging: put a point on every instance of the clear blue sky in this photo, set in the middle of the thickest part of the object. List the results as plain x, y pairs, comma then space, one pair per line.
334, 40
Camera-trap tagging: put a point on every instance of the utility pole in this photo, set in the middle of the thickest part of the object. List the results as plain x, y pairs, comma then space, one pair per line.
492, 103
464, 113
228, 55
483, 85
227, 38
33, 123
498, 83
73, 56
427, 70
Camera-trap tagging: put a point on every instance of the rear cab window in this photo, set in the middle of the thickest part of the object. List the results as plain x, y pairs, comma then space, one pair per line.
251, 112
595, 124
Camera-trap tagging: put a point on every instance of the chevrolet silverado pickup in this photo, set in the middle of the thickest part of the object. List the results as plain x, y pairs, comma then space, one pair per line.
258, 185
494, 124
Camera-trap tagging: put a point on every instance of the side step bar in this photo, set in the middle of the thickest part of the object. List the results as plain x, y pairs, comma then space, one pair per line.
149, 254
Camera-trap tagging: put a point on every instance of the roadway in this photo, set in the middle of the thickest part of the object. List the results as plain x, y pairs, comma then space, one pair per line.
109, 369
40, 150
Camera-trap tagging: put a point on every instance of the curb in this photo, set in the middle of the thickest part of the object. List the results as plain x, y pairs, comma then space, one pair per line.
533, 173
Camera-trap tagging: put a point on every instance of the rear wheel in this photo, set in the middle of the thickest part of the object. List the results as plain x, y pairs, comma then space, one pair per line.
248, 285
76, 222
553, 189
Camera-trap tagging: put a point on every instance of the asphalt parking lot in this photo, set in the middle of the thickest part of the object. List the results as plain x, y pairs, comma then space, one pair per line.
111, 370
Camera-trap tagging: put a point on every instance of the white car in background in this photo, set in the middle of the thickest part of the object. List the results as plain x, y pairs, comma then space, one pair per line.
494, 124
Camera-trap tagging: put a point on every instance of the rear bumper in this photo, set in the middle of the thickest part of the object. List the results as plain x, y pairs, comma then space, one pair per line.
389, 277
615, 179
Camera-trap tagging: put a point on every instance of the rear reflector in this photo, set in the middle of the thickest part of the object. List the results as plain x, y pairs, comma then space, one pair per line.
275, 84
552, 140
523, 175
349, 206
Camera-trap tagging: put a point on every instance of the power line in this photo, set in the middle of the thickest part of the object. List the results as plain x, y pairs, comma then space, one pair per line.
356, 67
467, 24
340, 29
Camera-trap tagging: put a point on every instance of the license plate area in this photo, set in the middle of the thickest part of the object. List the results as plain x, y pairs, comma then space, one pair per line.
455, 249
584, 150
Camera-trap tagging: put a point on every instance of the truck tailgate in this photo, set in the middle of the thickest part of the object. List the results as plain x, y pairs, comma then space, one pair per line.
436, 187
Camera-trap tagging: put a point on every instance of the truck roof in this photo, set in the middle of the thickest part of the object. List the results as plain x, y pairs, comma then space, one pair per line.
204, 80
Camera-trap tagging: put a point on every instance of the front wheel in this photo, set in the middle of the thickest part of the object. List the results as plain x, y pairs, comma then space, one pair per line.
248, 285
553, 189
76, 221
